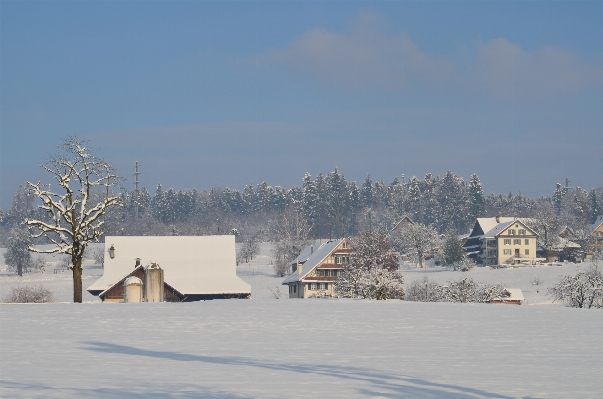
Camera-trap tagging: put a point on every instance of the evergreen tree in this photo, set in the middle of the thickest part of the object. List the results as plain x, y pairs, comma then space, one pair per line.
337, 200
397, 198
17, 255
477, 201
596, 208
414, 198
366, 192
310, 202
454, 253
430, 203
558, 198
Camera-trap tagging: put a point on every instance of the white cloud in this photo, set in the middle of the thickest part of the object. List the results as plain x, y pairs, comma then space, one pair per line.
361, 58
365, 57
507, 70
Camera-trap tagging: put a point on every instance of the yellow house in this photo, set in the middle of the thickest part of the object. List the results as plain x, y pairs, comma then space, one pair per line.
597, 237
502, 241
317, 275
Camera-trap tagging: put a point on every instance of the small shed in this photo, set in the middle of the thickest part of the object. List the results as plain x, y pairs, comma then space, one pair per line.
510, 296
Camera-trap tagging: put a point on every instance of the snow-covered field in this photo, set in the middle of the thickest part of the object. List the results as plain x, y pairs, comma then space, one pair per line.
266, 348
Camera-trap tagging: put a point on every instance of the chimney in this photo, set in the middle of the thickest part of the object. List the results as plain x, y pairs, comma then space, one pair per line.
311, 249
299, 269
497, 218
137, 263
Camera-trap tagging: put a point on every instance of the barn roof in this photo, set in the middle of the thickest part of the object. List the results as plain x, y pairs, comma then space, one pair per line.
202, 265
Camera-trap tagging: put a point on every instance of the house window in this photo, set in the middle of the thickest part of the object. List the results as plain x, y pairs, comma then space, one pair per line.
345, 245
491, 253
511, 232
322, 286
507, 252
507, 241
527, 241
517, 241
522, 232
313, 286
527, 251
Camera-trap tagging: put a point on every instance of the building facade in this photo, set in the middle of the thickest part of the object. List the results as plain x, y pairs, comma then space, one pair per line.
502, 241
317, 275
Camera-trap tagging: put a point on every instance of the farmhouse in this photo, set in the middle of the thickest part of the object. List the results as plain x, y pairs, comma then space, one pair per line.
596, 233
194, 268
502, 241
320, 270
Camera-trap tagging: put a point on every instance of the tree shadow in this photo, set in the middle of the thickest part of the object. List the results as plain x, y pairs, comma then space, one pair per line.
16, 389
379, 383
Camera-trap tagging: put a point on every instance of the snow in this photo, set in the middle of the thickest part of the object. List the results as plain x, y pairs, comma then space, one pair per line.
299, 349
266, 348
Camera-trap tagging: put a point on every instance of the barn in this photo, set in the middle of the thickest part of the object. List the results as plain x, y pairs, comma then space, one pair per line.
194, 268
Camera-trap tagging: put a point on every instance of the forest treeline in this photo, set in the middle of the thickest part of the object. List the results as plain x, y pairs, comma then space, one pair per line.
326, 205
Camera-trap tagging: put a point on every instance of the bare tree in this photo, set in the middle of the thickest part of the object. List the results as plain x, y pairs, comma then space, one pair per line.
416, 239
583, 290
546, 223
292, 234
75, 213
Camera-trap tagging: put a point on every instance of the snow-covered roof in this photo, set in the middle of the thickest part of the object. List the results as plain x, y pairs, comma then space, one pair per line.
309, 250
191, 265
515, 294
314, 260
488, 224
596, 225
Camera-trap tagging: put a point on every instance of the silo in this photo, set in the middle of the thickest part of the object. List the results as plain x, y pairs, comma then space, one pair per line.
153, 283
133, 289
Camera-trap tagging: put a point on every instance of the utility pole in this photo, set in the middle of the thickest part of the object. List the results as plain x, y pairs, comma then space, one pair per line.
136, 173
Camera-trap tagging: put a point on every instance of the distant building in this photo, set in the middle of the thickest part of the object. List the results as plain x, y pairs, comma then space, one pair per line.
510, 296
406, 220
194, 268
320, 269
502, 241
596, 233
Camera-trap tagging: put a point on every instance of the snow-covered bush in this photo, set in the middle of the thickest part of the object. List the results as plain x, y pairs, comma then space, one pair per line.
376, 283
28, 294
321, 294
380, 283
424, 290
276, 292
583, 290
467, 290
464, 264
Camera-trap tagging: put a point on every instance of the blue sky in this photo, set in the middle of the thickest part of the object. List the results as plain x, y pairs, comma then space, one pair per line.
223, 94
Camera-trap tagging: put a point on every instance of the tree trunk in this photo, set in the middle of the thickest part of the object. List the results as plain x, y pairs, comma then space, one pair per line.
77, 281
20, 269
